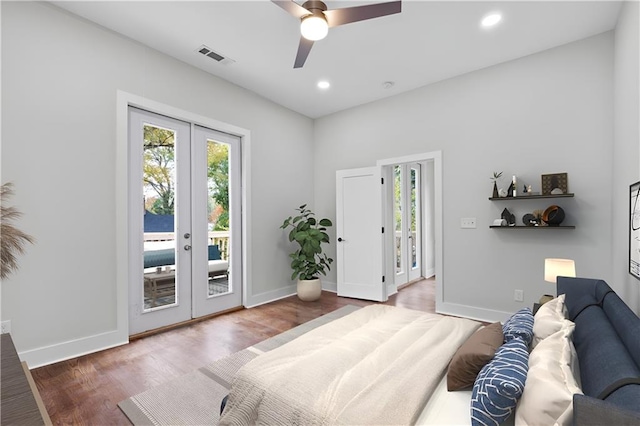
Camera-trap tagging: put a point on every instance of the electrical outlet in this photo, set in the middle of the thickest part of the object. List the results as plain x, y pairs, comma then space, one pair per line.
518, 295
6, 326
468, 222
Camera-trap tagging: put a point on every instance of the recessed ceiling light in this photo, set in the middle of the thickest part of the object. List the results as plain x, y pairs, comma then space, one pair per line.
491, 19
323, 85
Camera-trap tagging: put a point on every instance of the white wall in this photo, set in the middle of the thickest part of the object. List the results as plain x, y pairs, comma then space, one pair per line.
626, 146
545, 113
60, 76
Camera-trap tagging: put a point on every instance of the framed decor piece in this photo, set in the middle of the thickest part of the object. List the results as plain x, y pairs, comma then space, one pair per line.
554, 183
634, 230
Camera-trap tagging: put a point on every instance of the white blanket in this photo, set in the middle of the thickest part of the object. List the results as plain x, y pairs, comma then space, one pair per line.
378, 365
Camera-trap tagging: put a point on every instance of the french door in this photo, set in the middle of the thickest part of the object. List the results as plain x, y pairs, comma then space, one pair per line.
407, 222
185, 215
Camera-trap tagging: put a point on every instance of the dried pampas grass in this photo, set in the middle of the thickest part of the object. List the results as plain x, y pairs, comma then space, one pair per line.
12, 240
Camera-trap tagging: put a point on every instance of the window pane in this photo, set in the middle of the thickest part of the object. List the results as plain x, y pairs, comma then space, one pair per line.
158, 183
219, 222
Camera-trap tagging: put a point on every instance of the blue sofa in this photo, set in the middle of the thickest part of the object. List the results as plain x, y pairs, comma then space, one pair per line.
607, 341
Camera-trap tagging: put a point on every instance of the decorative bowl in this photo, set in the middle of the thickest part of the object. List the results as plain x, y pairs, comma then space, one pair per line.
553, 215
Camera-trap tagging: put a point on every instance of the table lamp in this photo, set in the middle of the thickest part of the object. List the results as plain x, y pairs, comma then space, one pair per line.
554, 268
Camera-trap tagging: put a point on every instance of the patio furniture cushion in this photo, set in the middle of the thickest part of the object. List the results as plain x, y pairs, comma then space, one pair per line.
153, 258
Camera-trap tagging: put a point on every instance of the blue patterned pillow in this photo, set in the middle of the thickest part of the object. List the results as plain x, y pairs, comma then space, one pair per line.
520, 325
500, 384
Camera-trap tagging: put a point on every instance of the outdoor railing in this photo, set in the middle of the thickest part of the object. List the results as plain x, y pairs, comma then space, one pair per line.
221, 238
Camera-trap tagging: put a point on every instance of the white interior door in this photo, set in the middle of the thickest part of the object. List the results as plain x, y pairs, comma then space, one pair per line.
359, 236
185, 220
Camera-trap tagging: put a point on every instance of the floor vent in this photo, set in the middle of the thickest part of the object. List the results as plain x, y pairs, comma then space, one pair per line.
206, 51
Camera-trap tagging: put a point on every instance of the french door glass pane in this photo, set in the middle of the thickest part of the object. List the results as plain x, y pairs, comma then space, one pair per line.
414, 212
397, 217
219, 219
158, 182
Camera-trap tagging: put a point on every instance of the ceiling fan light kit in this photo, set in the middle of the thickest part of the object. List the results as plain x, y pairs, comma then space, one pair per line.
315, 20
314, 27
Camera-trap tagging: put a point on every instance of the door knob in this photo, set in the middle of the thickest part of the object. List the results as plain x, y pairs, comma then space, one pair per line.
187, 247
187, 235
340, 240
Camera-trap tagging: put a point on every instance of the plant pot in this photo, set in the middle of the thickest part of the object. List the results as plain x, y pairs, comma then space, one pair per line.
495, 190
309, 290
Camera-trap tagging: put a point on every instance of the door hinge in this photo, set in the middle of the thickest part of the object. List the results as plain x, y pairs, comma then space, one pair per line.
383, 229
382, 181
383, 278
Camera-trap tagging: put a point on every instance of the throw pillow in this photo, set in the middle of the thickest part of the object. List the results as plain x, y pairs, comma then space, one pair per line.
549, 319
520, 325
500, 384
552, 381
474, 354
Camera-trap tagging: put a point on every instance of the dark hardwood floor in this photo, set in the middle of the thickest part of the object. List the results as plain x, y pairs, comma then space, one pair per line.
86, 390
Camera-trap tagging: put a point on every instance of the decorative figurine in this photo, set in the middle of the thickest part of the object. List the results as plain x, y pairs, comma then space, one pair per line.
496, 176
509, 217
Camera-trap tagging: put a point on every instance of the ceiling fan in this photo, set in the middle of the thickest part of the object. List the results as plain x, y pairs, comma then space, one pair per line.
315, 20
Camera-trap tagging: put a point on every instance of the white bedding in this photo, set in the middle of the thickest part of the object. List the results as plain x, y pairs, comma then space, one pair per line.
446, 408
378, 365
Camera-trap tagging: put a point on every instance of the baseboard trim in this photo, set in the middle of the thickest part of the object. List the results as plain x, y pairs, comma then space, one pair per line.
47, 355
471, 312
270, 296
329, 286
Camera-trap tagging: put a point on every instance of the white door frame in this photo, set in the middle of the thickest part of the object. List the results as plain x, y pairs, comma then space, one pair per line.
434, 157
122, 196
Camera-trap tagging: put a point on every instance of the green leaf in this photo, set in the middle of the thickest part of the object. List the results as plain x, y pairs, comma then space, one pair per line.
312, 221
302, 207
301, 236
292, 235
325, 222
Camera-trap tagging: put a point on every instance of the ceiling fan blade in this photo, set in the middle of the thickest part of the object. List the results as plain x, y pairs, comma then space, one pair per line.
348, 15
303, 51
292, 8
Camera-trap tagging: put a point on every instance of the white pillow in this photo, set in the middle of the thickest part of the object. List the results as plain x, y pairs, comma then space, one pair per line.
552, 380
548, 319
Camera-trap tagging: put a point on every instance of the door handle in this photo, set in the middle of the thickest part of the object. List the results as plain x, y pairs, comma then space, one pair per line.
340, 240
187, 247
187, 235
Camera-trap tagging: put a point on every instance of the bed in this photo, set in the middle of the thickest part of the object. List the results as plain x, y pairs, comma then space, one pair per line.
389, 365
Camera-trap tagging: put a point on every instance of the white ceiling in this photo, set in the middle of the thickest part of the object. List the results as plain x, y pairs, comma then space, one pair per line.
427, 42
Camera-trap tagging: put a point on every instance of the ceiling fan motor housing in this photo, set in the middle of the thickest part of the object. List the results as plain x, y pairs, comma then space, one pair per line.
313, 5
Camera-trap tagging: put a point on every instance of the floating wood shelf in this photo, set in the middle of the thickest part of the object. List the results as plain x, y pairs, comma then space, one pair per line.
533, 227
530, 197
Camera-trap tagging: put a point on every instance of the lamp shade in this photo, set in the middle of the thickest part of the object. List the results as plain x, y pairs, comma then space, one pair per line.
554, 268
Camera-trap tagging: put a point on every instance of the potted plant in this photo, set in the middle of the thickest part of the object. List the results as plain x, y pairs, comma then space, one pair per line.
308, 261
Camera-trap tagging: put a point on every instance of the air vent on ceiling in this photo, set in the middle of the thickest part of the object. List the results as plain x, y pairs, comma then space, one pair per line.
206, 51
